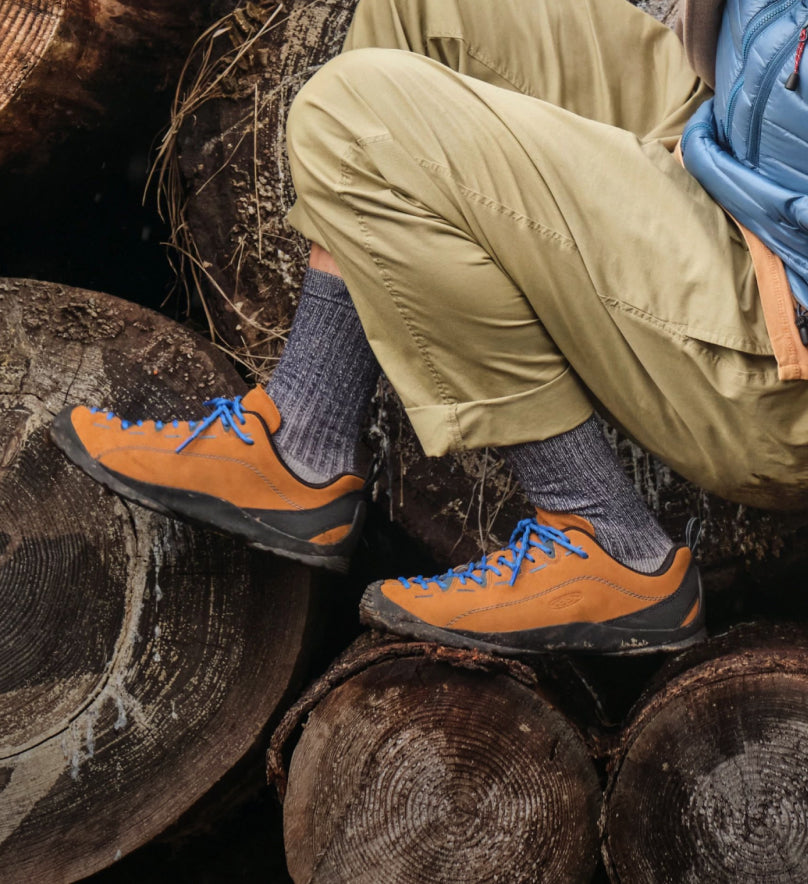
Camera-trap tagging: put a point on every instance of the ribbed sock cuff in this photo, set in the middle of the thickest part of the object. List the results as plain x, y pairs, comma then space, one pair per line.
324, 381
577, 472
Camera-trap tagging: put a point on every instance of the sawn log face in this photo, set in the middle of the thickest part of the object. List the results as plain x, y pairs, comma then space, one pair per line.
416, 771
710, 780
85, 64
139, 658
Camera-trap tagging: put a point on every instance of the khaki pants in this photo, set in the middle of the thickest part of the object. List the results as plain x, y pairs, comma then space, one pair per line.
522, 247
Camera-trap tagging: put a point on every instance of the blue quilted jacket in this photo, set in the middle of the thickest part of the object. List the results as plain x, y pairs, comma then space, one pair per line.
748, 146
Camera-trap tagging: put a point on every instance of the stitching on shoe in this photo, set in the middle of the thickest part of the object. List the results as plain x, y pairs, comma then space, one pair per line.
511, 602
232, 460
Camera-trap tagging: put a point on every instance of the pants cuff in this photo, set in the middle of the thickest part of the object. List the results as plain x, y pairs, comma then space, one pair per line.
531, 416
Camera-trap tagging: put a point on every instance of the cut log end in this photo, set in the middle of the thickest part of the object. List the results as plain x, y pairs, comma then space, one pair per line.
140, 659
415, 771
64, 65
711, 782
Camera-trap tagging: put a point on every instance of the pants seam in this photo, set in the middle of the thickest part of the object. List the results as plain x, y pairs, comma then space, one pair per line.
417, 337
559, 239
480, 56
681, 331
492, 65
455, 430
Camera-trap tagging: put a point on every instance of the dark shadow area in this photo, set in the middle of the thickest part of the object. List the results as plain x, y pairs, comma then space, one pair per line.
82, 221
242, 847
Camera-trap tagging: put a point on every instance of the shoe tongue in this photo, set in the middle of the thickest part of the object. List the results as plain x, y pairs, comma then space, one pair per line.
562, 521
259, 402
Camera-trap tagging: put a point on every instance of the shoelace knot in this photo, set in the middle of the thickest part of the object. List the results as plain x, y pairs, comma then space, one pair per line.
228, 411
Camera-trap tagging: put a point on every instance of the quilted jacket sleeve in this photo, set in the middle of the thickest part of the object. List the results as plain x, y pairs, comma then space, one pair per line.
698, 25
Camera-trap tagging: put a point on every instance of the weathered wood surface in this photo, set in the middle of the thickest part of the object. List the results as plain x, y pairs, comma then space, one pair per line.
229, 189
67, 64
710, 780
140, 659
419, 763
229, 182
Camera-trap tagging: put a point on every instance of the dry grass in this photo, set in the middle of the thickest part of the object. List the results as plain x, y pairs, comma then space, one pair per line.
215, 69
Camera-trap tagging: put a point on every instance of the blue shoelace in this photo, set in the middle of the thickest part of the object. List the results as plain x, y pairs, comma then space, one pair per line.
527, 535
228, 411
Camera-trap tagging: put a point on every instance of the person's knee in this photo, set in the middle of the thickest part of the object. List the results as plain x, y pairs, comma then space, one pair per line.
326, 116
334, 104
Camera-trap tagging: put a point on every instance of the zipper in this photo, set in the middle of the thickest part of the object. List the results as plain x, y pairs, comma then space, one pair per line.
794, 78
759, 22
772, 73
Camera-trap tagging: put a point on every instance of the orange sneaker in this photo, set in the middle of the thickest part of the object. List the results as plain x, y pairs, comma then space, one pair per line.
553, 589
222, 472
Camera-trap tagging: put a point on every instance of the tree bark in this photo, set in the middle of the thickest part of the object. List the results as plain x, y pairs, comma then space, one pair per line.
427, 764
229, 188
68, 64
710, 780
140, 659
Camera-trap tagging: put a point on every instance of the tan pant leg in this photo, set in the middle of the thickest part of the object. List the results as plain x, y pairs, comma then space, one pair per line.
602, 59
484, 233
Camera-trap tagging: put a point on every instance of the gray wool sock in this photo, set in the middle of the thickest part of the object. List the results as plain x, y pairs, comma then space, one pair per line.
323, 382
577, 472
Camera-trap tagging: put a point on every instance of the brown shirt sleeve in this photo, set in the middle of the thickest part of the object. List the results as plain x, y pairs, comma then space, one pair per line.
698, 26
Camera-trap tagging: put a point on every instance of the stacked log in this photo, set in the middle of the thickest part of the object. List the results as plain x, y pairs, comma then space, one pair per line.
420, 763
709, 781
140, 659
417, 762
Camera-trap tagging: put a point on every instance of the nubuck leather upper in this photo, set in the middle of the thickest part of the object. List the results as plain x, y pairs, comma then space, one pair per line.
748, 146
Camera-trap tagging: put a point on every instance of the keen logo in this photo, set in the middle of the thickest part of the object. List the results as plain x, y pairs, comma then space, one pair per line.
564, 601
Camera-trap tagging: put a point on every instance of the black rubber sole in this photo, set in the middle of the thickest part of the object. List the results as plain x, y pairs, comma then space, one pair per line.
624, 637
255, 528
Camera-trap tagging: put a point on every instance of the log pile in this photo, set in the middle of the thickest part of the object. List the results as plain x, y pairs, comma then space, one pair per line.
418, 762
136, 652
140, 659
